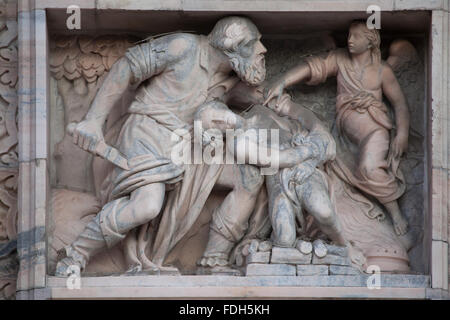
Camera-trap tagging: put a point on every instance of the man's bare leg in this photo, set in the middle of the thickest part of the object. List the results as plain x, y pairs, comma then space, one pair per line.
281, 212
112, 223
230, 219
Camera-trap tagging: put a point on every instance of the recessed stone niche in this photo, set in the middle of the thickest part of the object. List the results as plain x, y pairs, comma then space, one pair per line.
78, 61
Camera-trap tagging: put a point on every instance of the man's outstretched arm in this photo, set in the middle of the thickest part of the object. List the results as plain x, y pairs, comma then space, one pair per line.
140, 63
111, 91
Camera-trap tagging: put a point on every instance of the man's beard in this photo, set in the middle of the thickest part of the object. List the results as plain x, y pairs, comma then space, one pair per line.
251, 70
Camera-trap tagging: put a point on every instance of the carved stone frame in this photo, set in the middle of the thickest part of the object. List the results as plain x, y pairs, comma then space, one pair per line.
33, 93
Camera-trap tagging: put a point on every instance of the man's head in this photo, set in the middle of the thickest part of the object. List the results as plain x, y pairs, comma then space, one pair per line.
239, 39
361, 38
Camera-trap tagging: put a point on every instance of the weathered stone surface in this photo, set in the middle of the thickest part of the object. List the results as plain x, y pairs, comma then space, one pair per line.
320, 250
312, 270
343, 270
258, 269
258, 257
337, 250
239, 260
165, 272
253, 246
265, 246
218, 271
331, 259
289, 255
387, 280
304, 247
321, 105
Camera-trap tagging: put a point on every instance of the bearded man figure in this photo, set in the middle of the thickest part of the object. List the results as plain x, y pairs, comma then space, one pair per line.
175, 75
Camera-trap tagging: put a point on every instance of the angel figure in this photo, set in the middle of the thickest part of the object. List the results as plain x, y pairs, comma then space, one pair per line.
362, 119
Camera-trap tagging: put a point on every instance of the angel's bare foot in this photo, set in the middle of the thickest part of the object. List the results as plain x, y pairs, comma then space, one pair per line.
356, 257
400, 225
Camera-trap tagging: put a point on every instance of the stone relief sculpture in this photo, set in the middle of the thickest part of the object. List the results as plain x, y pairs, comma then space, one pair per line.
366, 158
151, 205
79, 66
362, 118
304, 145
186, 71
8, 154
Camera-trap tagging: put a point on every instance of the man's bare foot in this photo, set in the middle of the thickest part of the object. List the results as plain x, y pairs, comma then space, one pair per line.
168, 269
134, 269
212, 262
155, 270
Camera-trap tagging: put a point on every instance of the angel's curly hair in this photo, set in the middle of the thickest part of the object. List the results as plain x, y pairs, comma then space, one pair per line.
373, 35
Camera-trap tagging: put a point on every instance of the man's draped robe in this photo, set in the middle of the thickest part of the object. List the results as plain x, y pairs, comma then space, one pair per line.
176, 81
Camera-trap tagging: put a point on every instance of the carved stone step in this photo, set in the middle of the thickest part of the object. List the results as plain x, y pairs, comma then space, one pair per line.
312, 270
258, 257
337, 250
343, 270
258, 269
253, 246
265, 246
332, 259
218, 271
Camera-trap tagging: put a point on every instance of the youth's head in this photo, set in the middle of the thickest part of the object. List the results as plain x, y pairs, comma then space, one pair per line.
239, 39
361, 38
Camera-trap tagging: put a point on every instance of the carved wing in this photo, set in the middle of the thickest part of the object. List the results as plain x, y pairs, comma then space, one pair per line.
79, 65
87, 57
